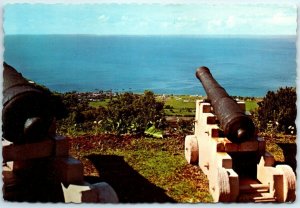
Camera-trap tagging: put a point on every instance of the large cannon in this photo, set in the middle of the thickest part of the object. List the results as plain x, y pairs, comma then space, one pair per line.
227, 149
28, 109
36, 163
236, 125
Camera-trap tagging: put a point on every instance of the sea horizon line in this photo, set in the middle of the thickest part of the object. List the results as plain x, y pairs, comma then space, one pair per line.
167, 35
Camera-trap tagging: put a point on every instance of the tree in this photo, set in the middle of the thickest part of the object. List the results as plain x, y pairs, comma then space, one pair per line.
277, 111
74, 114
124, 113
131, 113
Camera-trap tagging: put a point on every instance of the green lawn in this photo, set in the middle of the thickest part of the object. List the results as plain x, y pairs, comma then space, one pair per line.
181, 105
184, 105
97, 104
181, 101
251, 105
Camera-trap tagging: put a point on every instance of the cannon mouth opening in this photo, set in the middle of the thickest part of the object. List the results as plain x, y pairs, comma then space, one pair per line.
18, 114
200, 70
35, 127
241, 133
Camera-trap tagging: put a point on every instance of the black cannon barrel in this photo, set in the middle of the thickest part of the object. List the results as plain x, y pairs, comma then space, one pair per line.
237, 126
27, 112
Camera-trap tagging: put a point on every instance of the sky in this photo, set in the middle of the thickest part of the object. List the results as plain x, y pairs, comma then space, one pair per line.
151, 19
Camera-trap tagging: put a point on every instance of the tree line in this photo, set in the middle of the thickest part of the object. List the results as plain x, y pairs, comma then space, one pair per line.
130, 113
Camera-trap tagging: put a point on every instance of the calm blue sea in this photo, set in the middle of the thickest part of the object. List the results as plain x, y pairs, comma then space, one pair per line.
246, 66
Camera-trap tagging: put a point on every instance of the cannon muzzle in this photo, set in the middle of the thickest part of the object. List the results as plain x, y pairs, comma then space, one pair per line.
28, 110
237, 126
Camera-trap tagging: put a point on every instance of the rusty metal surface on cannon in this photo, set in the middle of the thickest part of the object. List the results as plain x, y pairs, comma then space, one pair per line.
27, 112
237, 126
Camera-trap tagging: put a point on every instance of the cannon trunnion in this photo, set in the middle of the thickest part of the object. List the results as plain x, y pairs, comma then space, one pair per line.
229, 152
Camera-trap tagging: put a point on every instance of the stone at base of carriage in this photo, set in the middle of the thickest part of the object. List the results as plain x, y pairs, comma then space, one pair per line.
90, 193
51, 146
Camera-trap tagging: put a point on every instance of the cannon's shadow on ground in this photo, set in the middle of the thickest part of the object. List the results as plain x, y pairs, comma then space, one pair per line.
130, 186
289, 153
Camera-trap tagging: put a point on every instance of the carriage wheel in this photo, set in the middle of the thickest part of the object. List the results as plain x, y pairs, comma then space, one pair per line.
220, 186
289, 183
191, 149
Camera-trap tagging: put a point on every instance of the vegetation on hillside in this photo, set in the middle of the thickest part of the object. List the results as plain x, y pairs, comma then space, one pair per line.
277, 112
107, 112
119, 114
132, 113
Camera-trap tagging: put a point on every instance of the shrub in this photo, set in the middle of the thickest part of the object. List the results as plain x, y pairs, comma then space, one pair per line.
277, 111
131, 113
124, 113
185, 126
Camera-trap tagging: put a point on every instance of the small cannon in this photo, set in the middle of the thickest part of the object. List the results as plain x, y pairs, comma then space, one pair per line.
28, 110
226, 147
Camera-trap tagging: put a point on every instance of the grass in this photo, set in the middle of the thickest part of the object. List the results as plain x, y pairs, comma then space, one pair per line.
282, 147
97, 104
184, 105
251, 105
142, 169
157, 164
181, 105
181, 101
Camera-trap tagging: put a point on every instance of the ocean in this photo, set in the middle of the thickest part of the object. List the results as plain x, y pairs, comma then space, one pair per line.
243, 65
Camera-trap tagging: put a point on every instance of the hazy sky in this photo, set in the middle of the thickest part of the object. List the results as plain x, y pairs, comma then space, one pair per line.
151, 19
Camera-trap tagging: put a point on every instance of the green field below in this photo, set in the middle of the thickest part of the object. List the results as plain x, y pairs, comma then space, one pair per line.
185, 105
97, 104
182, 105
251, 105
178, 105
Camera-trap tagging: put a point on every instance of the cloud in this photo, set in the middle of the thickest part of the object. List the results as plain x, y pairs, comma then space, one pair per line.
146, 18
103, 18
281, 19
165, 24
226, 23
124, 18
231, 22
215, 22
143, 23
214, 25
182, 19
